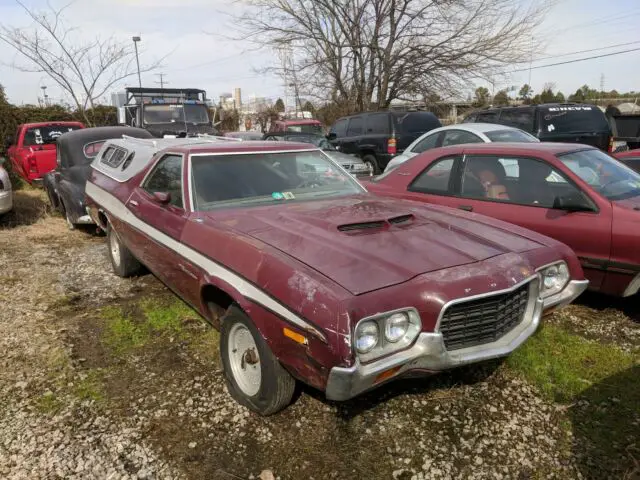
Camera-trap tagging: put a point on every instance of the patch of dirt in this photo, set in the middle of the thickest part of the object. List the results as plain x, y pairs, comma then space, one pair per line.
29, 206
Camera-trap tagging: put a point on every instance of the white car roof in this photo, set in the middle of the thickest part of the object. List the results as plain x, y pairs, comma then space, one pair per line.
475, 127
143, 149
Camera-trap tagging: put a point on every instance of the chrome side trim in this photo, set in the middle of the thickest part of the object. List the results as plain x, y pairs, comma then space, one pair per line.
633, 287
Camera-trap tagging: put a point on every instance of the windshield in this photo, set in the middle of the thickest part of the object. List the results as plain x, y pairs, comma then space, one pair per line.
175, 113
510, 136
310, 128
605, 175
573, 120
46, 135
317, 140
267, 178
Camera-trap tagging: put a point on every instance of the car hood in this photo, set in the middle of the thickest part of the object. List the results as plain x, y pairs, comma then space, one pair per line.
365, 244
342, 158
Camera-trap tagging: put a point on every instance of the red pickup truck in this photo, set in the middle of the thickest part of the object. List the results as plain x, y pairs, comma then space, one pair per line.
32, 151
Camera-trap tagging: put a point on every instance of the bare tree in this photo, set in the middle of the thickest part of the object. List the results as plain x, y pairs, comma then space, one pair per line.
85, 70
370, 52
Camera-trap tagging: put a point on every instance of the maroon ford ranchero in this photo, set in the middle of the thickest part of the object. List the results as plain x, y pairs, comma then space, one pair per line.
309, 277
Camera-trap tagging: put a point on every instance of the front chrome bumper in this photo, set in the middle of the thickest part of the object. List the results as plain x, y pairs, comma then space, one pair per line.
572, 291
6, 201
429, 354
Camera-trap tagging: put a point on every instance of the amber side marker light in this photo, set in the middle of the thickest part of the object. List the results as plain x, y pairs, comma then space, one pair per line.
387, 374
296, 337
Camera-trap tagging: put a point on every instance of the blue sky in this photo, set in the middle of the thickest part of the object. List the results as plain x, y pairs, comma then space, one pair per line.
191, 32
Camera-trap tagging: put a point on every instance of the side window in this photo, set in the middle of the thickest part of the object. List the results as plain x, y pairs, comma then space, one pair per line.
340, 128
487, 117
435, 178
167, 177
456, 137
518, 117
522, 181
378, 123
355, 127
427, 143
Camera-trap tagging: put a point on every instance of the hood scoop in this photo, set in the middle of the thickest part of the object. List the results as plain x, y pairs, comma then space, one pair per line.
376, 224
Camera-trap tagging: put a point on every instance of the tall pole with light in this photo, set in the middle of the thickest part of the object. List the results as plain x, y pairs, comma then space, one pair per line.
136, 39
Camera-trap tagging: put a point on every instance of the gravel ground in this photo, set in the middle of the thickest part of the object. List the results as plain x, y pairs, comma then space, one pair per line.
166, 412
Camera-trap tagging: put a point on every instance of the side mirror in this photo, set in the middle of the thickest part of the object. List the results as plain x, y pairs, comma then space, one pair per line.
331, 136
572, 203
163, 198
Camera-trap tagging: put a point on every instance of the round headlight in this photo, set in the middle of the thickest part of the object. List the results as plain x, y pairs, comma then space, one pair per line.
366, 337
396, 327
554, 279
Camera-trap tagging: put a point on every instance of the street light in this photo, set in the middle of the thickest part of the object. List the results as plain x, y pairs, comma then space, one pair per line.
135, 44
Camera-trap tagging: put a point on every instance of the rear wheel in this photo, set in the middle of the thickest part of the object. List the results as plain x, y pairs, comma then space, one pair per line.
371, 161
123, 262
252, 373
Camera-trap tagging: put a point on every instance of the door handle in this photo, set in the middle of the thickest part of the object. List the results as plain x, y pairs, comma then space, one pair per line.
133, 203
466, 208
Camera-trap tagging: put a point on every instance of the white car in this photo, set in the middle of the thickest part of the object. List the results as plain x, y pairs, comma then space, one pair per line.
462, 133
6, 196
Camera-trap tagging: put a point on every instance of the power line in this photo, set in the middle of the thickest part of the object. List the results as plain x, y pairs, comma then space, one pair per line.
587, 51
161, 82
575, 61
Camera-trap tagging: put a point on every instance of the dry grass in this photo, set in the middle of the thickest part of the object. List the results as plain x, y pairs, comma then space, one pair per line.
30, 205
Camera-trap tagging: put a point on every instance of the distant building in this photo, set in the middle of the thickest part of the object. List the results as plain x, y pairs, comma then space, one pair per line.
237, 96
118, 99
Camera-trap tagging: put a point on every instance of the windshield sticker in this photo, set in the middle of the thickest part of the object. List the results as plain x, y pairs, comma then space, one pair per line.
277, 196
550, 127
565, 109
288, 195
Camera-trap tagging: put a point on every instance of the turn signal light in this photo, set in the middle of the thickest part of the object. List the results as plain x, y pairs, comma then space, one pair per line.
387, 374
296, 337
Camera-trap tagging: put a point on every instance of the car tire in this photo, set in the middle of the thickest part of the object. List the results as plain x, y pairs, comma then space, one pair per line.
371, 160
253, 375
122, 260
53, 200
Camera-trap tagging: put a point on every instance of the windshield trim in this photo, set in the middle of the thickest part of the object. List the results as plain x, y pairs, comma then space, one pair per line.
254, 152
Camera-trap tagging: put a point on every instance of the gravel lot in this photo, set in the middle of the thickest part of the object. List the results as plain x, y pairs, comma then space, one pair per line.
72, 407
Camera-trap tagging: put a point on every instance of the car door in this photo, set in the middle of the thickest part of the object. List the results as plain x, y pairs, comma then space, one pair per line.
350, 143
163, 224
523, 191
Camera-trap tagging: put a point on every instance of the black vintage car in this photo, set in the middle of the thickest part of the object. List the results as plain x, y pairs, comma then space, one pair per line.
75, 152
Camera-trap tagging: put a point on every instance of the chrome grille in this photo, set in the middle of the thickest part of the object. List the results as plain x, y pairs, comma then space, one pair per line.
483, 320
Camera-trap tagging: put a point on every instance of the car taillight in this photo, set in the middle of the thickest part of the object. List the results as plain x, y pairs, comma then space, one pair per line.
33, 166
391, 146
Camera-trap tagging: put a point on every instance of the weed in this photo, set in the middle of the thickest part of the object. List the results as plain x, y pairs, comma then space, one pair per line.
90, 387
563, 365
207, 346
48, 403
121, 333
163, 317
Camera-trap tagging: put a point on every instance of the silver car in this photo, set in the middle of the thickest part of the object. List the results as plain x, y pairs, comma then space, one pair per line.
457, 134
6, 195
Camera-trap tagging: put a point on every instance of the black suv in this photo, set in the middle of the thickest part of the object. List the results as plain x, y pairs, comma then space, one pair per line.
377, 137
553, 122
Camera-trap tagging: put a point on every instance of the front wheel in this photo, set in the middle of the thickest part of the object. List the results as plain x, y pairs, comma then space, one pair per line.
371, 161
123, 262
252, 373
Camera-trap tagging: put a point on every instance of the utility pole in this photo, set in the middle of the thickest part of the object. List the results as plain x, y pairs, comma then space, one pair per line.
161, 82
136, 39
44, 96
601, 86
